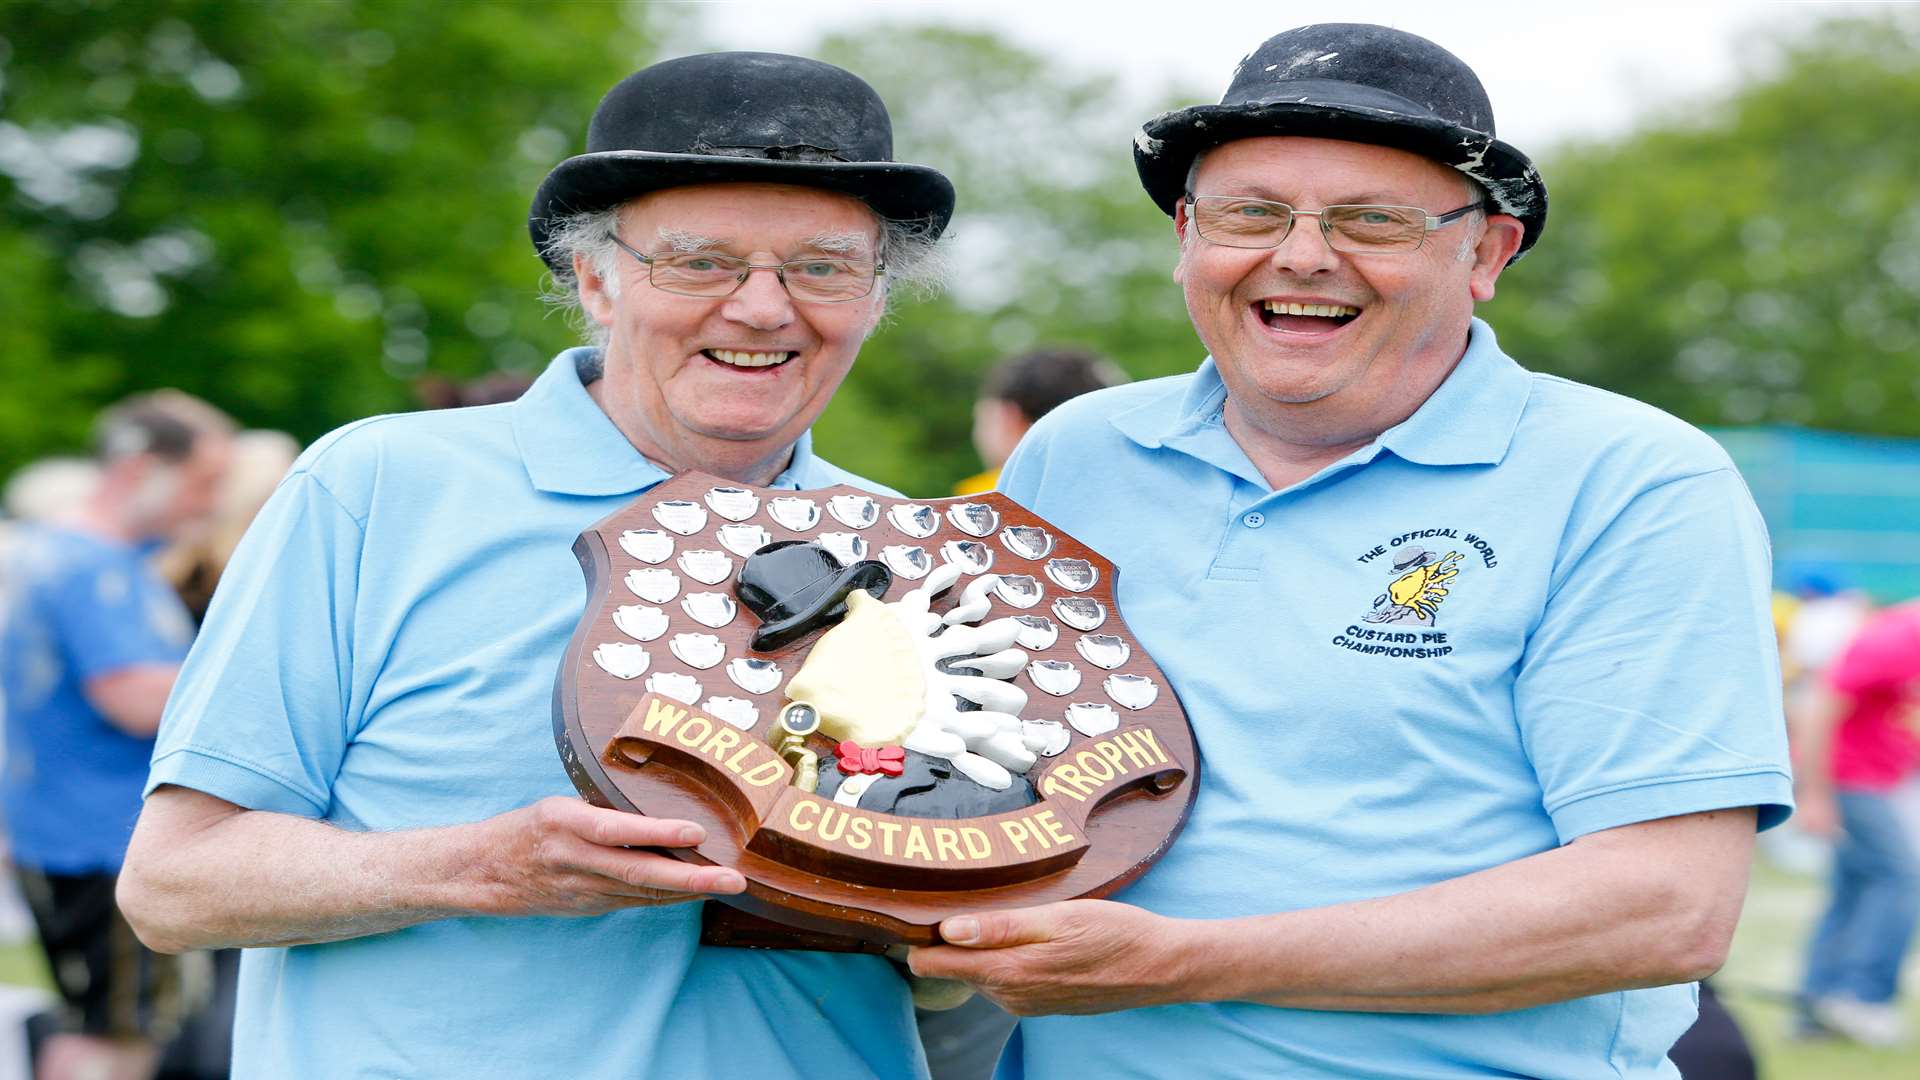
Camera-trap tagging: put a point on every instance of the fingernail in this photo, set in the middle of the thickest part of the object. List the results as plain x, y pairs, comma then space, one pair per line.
692, 834
729, 882
961, 930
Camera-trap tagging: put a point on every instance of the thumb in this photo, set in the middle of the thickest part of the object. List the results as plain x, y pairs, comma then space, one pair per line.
1001, 929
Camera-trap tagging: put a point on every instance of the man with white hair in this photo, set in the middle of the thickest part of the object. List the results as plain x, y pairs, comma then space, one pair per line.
1480, 662
357, 778
91, 639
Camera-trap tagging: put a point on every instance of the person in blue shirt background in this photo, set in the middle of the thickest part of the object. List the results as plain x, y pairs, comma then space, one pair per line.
1480, 662
356, 779
91, 639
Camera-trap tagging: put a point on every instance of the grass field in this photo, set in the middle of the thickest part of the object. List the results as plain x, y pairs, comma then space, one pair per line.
1763, 969
1765, 966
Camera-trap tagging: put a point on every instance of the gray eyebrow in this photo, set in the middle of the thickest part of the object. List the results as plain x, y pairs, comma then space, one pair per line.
833, 243
840, 243
682, 240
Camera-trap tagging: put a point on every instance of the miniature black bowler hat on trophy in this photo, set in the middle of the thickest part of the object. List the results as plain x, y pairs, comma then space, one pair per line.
1358, 83
797, 586
742, 117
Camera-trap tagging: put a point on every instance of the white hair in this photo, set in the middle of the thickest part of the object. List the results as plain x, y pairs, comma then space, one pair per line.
915, 263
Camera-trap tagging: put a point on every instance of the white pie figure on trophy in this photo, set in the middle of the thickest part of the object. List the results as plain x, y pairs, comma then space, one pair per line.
875, 678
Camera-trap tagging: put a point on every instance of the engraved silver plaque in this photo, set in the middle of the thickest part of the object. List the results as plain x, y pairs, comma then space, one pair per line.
622, 660
754, 676
854, 511
640, 622
739, 712
706, 567
1104, 650
681, 516
732, 503
914, 519
971, 556
1092, 718
1020, 590
654, 586
974, 519
793, 512
1050, 735
647, 545
1133, 691
698, 650
1056, 677
1037, 632
1080, 612
680, 687
912, 563
715, 609
743, 540
1027, 541
849, 548
1077, 575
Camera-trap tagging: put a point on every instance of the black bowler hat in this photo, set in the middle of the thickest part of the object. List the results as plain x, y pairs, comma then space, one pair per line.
797, 586
741, 116
1359, 83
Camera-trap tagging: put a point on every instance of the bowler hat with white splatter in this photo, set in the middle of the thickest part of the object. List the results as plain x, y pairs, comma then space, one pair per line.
1359, 83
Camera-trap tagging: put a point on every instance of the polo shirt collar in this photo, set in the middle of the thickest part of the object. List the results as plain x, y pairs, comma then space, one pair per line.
1469, 420
570, 447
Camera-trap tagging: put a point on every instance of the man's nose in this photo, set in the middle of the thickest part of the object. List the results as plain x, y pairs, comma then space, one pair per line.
761, 301
1305, 251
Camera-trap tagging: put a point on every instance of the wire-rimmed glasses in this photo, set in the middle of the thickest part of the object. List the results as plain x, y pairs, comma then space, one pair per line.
1359, 229
818, 279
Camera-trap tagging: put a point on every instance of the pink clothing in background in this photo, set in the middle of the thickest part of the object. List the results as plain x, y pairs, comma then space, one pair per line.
1878, 741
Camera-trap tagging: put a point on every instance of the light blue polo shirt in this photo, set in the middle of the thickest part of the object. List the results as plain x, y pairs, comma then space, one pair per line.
381, 655
1530, 611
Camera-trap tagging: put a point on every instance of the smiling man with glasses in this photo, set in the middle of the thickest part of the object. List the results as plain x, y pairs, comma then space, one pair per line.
356, 777
1480, 661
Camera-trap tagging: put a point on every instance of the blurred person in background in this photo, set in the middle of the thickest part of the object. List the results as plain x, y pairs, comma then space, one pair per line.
194, 565
1020, 390
49, 488
1826, 615
1856, 739
91, 639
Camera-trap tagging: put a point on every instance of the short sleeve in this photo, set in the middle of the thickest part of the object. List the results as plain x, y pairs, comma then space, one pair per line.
259, 716
1651, 685
114, 614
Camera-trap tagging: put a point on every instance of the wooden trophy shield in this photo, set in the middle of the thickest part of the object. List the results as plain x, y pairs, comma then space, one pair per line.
1001, 743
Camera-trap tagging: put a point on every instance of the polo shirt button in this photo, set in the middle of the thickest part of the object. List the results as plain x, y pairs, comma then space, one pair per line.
1254, 520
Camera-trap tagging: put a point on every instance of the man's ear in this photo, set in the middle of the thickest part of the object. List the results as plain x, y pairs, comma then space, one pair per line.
595, 297
1181, 223
1498, 241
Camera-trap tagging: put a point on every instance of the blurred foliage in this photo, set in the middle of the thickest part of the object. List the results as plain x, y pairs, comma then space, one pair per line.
1052, 242
293, 210
298, 209
1756, 262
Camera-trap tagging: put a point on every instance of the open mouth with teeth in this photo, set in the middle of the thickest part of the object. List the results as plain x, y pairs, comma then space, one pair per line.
1305, 318
734, 358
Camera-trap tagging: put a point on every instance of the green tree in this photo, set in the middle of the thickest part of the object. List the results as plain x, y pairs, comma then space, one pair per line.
1755, 261
290, 209
1053, 242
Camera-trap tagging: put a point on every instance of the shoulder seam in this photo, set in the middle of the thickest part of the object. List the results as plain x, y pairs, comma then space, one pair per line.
308, 473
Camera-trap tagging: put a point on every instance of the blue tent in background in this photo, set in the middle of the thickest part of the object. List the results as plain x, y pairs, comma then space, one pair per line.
1845, 508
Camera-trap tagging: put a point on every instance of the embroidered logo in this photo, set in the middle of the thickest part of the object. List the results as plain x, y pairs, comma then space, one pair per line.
1418, 582
1419, 587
